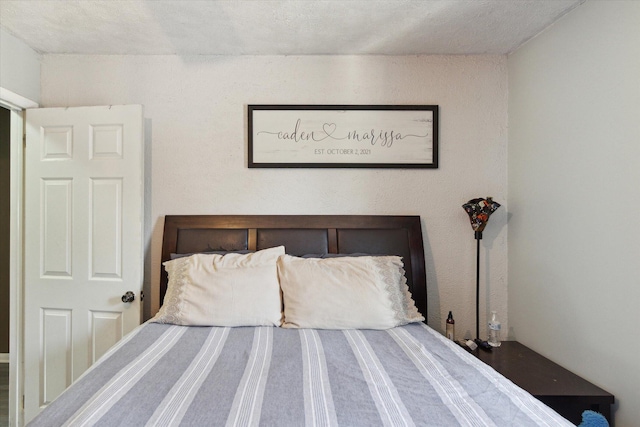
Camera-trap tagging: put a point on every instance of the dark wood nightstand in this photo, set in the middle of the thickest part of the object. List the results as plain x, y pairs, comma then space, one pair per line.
562, 390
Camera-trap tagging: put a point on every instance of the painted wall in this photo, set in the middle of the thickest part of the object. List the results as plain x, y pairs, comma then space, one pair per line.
19, 67
196, 115
574, 240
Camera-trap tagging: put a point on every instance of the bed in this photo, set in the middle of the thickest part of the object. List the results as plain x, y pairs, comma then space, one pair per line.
318, 353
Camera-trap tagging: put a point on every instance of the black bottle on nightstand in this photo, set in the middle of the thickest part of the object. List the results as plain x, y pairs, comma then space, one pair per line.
450, 331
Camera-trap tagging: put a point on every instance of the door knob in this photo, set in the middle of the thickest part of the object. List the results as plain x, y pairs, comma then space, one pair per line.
128, 296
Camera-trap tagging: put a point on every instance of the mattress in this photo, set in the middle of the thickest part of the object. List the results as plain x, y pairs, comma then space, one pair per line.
167, 375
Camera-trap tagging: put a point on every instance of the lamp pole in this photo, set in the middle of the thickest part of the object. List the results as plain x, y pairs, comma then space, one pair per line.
478, 235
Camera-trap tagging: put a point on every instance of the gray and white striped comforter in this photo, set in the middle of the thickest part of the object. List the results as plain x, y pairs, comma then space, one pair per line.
199, 376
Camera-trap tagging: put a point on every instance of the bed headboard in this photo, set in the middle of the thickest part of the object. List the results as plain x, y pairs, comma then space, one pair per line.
302, 234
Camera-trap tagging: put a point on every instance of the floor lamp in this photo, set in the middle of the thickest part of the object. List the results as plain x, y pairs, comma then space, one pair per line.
479, 211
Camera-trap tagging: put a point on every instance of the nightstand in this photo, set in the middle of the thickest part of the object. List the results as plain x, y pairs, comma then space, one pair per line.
562, 390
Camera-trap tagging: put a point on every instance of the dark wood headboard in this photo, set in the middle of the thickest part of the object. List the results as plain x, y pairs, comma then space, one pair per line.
300, 235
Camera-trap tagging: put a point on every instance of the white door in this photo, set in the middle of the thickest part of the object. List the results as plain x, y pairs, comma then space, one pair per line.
83, 241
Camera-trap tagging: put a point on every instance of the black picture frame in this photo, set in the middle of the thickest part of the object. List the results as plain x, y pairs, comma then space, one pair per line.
343, 136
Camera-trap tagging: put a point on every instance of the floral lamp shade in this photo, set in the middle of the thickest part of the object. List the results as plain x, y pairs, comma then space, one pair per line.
479, 211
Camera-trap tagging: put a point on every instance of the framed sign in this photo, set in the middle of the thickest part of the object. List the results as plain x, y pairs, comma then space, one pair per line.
343, 136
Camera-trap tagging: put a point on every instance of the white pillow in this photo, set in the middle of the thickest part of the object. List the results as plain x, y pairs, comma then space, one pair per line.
223, 290
366, 292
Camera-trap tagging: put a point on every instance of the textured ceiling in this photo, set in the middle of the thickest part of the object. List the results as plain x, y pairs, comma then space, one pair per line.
279, 27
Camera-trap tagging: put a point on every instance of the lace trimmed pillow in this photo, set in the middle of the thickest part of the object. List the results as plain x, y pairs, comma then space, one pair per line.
223, 290
365, 292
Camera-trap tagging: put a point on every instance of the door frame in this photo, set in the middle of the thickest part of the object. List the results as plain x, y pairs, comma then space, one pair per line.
16, 105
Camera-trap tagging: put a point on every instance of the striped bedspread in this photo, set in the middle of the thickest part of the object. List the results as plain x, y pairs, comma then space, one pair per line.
163, 375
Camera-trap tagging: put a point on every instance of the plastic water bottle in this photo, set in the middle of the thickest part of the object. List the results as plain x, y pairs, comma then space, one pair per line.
494, 330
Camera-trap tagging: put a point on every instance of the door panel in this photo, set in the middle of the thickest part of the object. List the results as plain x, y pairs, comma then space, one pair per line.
56, 354
106, 330
83, 241
55, 227
106, 228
